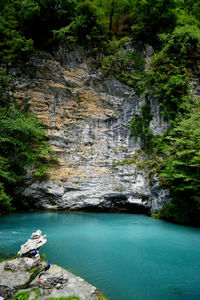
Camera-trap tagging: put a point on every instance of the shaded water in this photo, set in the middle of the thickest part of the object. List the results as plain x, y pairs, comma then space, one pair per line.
128, 257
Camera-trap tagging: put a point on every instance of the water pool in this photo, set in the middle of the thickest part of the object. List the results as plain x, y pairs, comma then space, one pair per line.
128, 257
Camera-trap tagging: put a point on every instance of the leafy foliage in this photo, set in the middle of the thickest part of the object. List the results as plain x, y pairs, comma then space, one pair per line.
169, 81
89, 25
22, 144
153, 17
139, 127
180, 169
183, 43
114, 9
21, 295
127, 66
24, 295
13, 44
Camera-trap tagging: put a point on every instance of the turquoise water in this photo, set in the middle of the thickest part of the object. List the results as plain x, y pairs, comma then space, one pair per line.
128, 257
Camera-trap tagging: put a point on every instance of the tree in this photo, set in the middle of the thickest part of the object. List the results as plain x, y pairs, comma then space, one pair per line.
115, 8
13, 44
22, 144
180, 170
87, 27
153, 17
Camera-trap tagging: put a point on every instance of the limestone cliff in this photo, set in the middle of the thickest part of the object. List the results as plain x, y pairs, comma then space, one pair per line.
86, 117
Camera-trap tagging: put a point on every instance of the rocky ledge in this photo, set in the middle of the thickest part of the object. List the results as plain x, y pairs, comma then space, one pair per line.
28, 273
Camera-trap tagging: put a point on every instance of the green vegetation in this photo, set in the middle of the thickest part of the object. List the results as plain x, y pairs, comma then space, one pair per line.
31, 278
22, 144
21, 295
24, 295
180, 170
153, 17
43, 257
139, 127
33, 270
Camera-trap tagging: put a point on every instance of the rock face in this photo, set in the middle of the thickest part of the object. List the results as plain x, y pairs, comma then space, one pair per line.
35, 243
87, 119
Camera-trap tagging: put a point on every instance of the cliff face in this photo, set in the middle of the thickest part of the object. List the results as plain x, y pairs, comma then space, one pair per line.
86, 118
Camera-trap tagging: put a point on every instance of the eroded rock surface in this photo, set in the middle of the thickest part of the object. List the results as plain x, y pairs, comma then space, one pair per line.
22, 264
57, 283
61, 283
87, 119
9, 280
35, 243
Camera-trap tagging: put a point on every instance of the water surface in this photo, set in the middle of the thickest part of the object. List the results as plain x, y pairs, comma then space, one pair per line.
128, 257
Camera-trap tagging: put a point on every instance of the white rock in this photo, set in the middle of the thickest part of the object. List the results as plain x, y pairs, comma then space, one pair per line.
35, 243
36, 235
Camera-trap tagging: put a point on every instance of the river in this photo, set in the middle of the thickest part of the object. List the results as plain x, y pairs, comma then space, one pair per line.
128, 257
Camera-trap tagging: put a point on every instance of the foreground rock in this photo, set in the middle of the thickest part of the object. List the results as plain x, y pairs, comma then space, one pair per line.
35, 243
50, 282
57, 283
22, 264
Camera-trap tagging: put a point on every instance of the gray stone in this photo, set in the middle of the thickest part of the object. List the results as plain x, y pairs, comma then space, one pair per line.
58, 282
12, 279
36, 235
159, 197
22, 264
6, 291
35, 243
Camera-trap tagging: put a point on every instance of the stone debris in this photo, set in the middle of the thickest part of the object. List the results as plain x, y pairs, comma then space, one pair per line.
35, 243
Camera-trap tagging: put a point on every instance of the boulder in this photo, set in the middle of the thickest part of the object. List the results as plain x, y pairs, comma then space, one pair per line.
9, 281
35, 243
22, 264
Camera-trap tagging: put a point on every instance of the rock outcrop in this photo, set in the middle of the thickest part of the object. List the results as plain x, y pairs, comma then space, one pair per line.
57, 282
35, 243
22, 264
48, 282
87, 119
